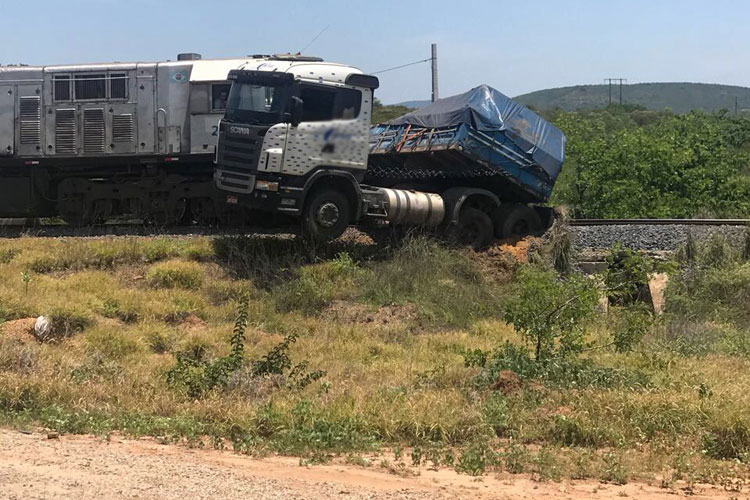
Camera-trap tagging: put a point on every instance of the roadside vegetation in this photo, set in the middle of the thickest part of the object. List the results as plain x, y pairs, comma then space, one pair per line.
441, 356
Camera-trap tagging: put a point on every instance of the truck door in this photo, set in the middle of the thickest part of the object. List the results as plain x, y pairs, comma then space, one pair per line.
7, 120
333, 132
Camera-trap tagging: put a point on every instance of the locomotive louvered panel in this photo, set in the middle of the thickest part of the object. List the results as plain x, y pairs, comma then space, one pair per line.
65, 131
30, 120
93, 130
122, 128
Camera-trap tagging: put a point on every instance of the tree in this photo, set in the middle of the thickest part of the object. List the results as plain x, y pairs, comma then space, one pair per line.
550, 311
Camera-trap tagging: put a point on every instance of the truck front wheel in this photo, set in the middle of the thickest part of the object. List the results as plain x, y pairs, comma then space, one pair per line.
326, 215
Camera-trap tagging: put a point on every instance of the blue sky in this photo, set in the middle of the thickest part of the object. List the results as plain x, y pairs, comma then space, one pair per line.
514, 46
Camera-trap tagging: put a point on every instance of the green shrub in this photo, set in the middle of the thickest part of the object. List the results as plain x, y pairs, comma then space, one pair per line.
717, 252
627, 275
112, 344
175, 274
728, 440
196, 376
549, 311
159, 341
7, 254
112, 308
317, 285
558, 371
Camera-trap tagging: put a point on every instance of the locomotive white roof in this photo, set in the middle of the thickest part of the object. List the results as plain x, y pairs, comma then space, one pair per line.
213, 70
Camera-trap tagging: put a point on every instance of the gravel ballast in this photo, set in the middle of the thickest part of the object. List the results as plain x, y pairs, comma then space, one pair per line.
649, 237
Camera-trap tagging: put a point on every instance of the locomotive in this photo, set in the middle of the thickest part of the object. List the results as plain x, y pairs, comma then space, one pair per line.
90, 142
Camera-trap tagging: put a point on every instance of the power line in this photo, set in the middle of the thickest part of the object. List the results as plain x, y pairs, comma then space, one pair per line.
402, 66
314, 38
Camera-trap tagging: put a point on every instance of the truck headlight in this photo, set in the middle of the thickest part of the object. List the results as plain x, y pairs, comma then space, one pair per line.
266, 186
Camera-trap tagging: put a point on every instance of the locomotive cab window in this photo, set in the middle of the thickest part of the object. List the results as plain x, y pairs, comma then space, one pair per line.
61, 88
324, 104
118, 86
90, 86
219, 96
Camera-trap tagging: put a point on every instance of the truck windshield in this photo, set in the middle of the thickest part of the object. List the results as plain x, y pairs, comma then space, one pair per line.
256, 104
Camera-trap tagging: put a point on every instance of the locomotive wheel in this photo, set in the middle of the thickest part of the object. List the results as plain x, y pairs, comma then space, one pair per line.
76, 212
101, 210
474, 229
202, 211
326, 216
165, 214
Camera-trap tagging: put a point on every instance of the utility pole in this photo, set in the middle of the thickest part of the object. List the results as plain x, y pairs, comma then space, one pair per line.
620, 81
433, 61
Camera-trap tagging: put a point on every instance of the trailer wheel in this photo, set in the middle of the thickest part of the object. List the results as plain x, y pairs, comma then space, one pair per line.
515, 219
474, 229
326, 215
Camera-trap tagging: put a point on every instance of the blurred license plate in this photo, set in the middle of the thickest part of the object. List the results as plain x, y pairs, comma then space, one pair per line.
232, 199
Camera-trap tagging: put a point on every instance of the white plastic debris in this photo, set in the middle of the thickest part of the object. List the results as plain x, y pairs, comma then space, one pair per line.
42, 328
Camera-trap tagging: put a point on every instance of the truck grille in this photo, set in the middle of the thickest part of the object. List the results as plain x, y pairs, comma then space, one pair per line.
240, 153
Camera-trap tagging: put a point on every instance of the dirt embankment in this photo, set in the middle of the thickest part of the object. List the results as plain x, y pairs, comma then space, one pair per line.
84, 467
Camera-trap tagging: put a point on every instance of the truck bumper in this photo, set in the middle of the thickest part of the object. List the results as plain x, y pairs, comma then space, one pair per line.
260, 191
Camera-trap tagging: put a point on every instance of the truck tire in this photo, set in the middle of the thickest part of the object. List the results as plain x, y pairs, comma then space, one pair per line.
515, 219
326, 215
474, 229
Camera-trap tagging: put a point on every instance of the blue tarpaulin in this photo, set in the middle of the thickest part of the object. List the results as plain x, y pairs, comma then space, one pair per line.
488, 110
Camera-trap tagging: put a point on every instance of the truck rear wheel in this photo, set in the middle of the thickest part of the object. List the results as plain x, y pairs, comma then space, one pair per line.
515, 219
474, 229
326, 215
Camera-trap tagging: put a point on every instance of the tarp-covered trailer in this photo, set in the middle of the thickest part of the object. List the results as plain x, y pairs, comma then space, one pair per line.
481, 138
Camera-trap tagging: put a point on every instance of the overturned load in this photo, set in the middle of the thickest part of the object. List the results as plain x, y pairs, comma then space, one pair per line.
482, 137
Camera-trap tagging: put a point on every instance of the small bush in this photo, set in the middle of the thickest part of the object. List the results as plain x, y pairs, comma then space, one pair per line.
627, 275
112, 344
7, 254
557, 372
550, 312
728, 440
717, 252
16, 356
196, 376
445, 285
175, 274
317, 285
159, 342
112, 308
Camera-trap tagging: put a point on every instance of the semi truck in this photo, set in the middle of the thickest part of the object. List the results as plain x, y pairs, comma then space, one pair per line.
297, 140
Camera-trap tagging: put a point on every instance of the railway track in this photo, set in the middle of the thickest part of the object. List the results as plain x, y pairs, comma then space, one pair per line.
640, 234
660, 222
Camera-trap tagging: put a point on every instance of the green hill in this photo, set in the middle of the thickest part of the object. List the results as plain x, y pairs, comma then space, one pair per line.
679, 97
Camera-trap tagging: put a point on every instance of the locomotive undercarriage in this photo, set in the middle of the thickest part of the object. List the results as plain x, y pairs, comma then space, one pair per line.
159, 193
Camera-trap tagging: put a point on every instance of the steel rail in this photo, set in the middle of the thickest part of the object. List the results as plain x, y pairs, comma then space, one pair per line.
659, 222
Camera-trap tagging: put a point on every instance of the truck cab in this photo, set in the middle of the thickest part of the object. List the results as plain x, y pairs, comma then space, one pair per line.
295, 140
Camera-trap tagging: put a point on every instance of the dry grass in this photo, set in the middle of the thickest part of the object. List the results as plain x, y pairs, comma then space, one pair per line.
401, 381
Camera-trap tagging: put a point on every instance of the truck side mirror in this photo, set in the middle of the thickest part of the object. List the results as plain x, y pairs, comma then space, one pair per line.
294, 111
